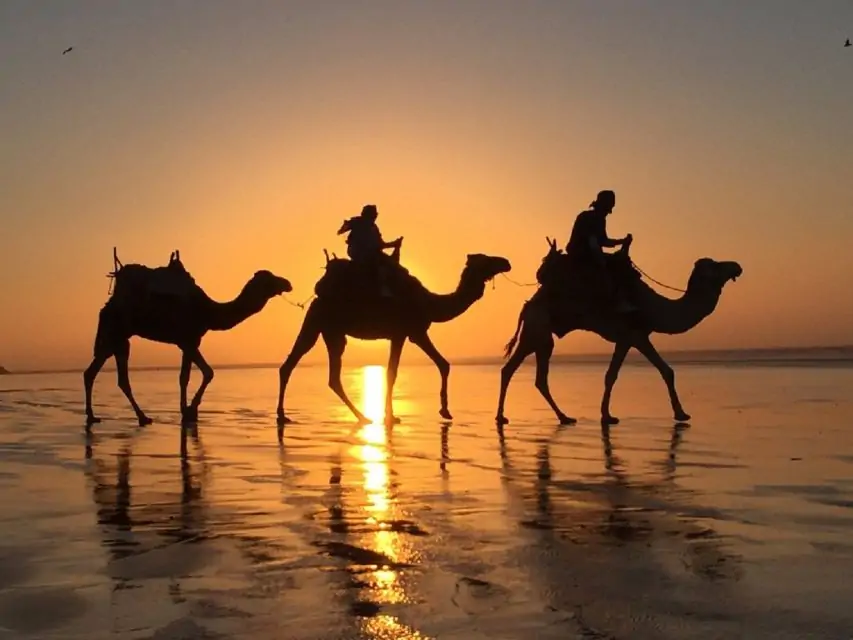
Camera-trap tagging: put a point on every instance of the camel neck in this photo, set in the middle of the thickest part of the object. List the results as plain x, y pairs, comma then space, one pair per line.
227, 315
681, 315
446, 307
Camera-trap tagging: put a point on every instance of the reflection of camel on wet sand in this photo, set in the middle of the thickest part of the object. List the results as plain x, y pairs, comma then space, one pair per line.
367, 541
538, 322
165, 305
132, 529
619, 536
342, 309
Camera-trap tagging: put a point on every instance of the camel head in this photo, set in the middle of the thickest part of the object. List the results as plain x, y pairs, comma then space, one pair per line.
552, 264
483, 268
711, 276
265, 285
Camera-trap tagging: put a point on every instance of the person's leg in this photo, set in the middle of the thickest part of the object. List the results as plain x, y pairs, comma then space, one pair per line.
381, 271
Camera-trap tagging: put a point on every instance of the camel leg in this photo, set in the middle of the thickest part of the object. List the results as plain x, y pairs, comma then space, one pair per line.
103, 351
535, 334
426, 345
391, 379
646, 347
305, 341
89, 382
122, 356
335, 345
521, 352
619, 353
184, 378
543, 361
190, 414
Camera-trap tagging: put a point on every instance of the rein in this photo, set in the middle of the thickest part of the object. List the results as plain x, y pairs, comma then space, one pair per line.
657, 282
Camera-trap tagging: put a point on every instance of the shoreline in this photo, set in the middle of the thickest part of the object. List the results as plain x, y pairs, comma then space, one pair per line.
832, 356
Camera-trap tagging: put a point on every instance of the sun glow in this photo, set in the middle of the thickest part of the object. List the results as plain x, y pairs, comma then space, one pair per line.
373, 394
379, 503
373, 453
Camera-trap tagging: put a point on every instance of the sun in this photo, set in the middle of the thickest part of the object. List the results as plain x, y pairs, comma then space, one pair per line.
373, 393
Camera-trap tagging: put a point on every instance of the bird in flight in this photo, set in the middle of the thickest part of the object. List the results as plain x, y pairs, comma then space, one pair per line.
847, 44
70, 48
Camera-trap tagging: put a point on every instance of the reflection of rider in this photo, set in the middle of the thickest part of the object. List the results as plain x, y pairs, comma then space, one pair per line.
365, 245
585, 249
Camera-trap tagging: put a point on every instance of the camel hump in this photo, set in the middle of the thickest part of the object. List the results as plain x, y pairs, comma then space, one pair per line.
140, 280
347, 279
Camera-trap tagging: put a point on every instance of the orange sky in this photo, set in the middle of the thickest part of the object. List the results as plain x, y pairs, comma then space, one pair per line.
244, 134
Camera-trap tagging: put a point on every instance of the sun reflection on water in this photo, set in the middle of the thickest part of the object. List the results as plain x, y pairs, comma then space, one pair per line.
373, 454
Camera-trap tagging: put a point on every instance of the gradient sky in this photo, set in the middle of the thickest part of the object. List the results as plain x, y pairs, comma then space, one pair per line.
243, 133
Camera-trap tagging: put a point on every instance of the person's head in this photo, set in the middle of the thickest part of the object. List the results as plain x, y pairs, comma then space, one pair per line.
370, 212
604, 202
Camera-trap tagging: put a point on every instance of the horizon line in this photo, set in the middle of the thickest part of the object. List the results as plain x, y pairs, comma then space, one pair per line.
578, 358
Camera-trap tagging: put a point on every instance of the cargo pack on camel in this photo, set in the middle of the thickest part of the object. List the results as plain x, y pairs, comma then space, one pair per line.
141, 282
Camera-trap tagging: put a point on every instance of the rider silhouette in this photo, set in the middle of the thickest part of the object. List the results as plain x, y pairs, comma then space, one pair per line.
365, 245
585, 249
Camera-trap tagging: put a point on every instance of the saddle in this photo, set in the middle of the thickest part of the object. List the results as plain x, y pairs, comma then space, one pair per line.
576, 292
141, 282
345, 278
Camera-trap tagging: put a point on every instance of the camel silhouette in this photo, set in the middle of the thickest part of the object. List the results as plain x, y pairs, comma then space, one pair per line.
344, 307
165, 305
540, 319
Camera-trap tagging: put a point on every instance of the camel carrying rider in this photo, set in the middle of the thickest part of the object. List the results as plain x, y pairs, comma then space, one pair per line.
365, 246
586, 255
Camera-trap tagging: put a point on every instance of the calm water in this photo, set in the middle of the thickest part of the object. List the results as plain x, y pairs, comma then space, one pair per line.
737, 526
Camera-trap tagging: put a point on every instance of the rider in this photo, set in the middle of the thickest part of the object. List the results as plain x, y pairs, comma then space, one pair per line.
586, 245
365, 245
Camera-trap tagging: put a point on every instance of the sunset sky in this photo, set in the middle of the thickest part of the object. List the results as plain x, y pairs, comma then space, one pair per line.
244, 132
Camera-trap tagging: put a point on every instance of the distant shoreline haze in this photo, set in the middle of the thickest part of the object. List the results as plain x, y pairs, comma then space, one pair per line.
790, 356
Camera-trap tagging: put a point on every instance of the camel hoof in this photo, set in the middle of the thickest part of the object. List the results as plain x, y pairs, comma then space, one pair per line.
189, 415
444, 413
681, 416
91, 419
282, 420
390, 421
608, 420
567, 420
144, 421
501, 420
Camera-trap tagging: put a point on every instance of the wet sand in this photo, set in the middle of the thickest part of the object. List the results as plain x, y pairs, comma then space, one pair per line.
736, 526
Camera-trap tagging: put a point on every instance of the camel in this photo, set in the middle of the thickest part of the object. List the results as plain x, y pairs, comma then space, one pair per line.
165, 305
538, 322
343, 308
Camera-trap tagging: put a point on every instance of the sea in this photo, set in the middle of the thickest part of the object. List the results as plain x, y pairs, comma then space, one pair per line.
734, 525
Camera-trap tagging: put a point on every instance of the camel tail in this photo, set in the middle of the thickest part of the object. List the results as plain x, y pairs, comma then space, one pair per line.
510, 346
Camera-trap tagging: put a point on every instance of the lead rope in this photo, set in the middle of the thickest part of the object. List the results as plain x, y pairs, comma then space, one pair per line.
657, 282
516, 283
633, 264
301, 305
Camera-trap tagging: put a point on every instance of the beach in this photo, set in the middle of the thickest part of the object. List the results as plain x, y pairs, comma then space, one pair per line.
733, 526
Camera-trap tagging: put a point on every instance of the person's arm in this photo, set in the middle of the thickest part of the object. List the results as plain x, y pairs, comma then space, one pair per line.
603, 240
611, 243
389, 245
